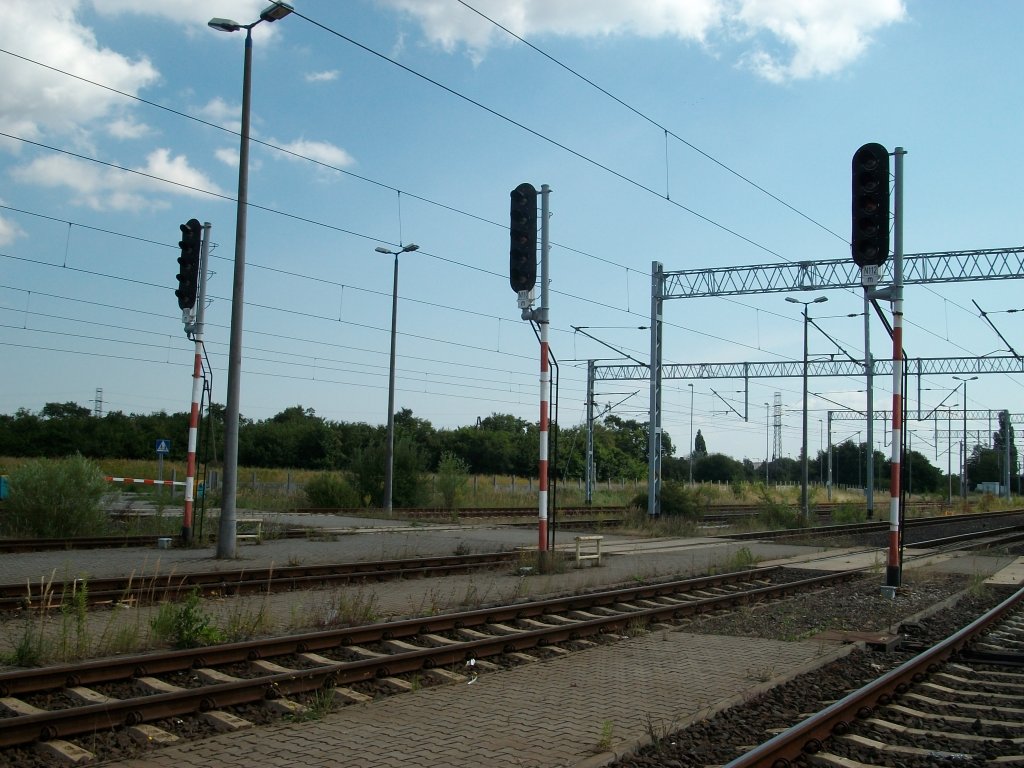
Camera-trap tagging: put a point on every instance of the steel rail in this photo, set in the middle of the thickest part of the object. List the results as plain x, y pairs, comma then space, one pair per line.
808, 736
126, 667
22, 729
244, 581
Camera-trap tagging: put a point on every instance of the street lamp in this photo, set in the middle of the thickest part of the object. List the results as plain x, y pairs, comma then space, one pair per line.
690, 385
963, 473
226, 537
804, 501
389, 458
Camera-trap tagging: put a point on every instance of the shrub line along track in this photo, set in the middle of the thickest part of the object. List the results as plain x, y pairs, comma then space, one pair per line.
539, 625
869, 703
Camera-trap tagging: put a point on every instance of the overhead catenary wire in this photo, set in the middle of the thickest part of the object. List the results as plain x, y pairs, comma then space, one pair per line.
367, 179
665, 130
470, 266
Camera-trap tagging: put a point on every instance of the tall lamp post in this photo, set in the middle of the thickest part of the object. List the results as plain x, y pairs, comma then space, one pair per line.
804, 500
690, 385
767, 443
226, 533
963, 473
821, 452
389, 457
949, 456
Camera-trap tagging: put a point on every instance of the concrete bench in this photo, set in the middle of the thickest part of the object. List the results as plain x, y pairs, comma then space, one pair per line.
253, 529
586, 541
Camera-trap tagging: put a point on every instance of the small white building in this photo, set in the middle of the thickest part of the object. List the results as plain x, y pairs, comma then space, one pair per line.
996, 489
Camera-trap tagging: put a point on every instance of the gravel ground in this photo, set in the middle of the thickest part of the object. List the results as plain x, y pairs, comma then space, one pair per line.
712, 741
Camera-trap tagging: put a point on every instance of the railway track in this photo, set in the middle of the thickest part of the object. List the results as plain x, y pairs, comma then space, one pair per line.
857, 529
147, 695
15, 546
955, 703
247, 581
718, 513
144, 589
580, 517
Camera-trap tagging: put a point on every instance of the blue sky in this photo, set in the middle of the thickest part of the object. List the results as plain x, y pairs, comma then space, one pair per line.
381, 95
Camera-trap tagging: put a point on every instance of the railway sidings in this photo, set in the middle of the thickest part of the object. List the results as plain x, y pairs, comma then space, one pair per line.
587, 693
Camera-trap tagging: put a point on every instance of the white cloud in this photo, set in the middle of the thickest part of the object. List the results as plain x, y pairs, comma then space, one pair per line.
9, 231
321, 151
322, 77
451, 25
227, 156
102, 188
127, 128
161, 164
192, 15
221, 113
824, 37
783, 39
36, 101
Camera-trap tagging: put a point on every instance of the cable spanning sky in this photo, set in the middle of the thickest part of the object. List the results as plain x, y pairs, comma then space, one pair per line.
695, 133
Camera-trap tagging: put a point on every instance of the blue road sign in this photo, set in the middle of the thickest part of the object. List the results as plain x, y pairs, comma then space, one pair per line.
163, 446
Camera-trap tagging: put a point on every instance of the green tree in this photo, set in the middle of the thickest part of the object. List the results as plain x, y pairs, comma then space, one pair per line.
921, 476
420, 431
717, 468
700, 448
408, 488
295, 437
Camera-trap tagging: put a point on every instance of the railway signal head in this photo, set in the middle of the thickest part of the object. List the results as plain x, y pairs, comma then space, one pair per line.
522, 273
188, 263
869, 244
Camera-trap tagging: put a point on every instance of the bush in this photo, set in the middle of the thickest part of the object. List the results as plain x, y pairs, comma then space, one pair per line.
329, 489
55, 499
676, 500
849, 513
186, 625
776, 515
452, 476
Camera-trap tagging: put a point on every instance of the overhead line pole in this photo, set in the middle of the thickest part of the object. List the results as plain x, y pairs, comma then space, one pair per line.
893, 566
544, 321
654, 372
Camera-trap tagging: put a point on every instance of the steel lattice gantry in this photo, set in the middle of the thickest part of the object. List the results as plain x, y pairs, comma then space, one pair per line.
917, 366
920, 268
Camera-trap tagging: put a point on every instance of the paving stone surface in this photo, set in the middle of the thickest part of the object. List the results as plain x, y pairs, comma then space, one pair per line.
548, 713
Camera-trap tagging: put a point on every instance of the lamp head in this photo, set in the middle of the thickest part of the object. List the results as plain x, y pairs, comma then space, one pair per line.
410, 248
275, 11
382, 249
224, 25
820, 299
791, 300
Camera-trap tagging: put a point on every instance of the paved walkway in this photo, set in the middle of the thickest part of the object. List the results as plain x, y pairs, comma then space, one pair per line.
558, 712
552, 713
